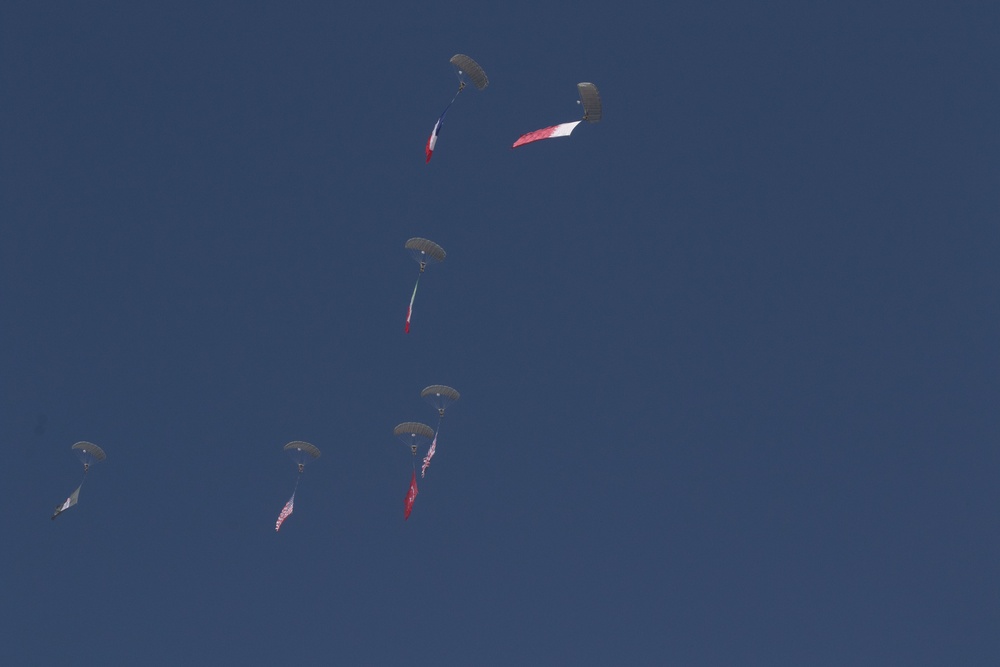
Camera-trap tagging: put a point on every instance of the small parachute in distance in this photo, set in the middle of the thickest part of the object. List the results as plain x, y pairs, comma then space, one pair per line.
413, 434
590, 98
89, 454
302, 453
440, 396
424, 252
465, 67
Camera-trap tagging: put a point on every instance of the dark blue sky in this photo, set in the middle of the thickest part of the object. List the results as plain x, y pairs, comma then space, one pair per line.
729, 358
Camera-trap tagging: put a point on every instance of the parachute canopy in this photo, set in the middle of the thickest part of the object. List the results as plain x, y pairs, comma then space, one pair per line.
591, 101
424, 251
467, 67
302, 452
440, 396
414, 434
88, 453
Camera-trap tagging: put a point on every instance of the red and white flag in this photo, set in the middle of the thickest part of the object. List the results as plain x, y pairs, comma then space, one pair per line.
430, 453
411, 495
286, 512
562, 130
409, 309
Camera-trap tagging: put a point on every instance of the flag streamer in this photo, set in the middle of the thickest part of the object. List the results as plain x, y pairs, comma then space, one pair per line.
409, 310
411, 495
430, 451
286, 512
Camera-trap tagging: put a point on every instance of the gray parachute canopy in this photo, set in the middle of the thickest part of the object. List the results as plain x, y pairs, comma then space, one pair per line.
413, 434
424, 251
88, 453
467, 67
440, 396
302, 452
591, 101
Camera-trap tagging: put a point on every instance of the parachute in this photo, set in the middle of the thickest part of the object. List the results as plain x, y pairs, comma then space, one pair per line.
414, 435
302, 453
424, 252
590, 98
591, 101
89, 454
439, 396
464, 67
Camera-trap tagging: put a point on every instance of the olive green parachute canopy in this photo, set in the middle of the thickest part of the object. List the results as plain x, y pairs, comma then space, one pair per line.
413, 434
468, 67
309, 451
424, 251
440, 396
302, 452
591, 101
88, 453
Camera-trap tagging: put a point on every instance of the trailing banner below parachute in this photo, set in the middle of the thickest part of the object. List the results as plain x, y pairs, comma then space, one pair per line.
73, 499
432, 141
286, 512
411, 495
561, 130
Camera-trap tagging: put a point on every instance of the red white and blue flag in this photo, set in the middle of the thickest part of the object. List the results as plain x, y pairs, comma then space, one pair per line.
286, 512
411, 495
562, 130
430, 454
433, 139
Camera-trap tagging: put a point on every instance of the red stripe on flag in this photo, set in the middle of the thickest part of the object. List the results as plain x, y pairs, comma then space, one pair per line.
411, 495
286, 512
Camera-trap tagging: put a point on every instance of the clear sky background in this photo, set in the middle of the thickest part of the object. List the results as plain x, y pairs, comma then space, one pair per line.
728, 359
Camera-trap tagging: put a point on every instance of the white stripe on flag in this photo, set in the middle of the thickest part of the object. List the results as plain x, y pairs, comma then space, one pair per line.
286, 512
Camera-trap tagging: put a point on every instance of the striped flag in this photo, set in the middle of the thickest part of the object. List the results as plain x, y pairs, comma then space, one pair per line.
563, 130
286, 512
411, 495
433, 139
430, 453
